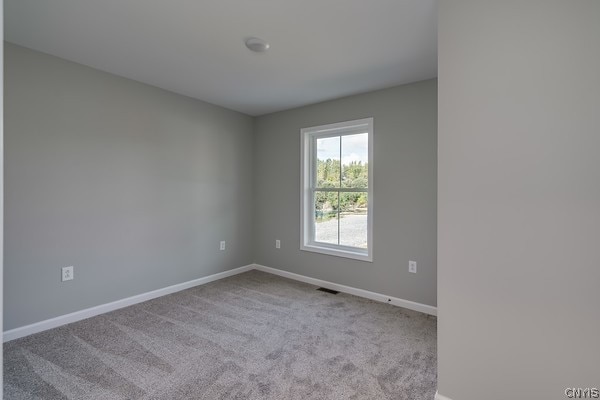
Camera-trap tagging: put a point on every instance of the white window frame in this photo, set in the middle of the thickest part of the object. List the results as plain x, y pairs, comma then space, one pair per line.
307, 189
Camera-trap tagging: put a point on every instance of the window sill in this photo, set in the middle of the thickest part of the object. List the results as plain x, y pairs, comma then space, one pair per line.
338, 251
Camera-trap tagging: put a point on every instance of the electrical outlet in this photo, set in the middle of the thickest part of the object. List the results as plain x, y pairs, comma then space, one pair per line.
67, 273
222, 245
412, 267
277, 244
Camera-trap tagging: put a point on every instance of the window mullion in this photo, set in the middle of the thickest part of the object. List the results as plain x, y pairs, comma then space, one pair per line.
313, 184
313, 162
338, 218
338, 195
345, 189
340, 162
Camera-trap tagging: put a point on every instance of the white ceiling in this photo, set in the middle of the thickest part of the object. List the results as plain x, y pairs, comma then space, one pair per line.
320, 49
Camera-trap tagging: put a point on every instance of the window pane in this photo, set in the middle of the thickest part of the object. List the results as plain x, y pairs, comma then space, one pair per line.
355, 159
326, 217
353, 219
328, 162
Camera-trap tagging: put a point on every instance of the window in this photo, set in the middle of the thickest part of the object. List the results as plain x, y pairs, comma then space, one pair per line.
337, 189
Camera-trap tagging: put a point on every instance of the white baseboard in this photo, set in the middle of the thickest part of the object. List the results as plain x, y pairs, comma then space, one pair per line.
441, 397
115, 305
424, 308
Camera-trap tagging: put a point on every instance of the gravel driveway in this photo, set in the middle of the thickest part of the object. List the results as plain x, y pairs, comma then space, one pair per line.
353, 231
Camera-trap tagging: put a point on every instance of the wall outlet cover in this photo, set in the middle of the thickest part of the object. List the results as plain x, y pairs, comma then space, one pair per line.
412, 267
67, 273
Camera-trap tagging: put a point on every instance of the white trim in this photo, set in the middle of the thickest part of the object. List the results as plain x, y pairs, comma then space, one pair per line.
343, 126
424, 308
336, 250
115, 305
441, 397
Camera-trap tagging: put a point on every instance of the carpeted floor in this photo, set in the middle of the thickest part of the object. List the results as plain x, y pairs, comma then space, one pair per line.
250, 336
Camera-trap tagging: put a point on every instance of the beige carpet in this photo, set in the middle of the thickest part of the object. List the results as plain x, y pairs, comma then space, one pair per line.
250, 336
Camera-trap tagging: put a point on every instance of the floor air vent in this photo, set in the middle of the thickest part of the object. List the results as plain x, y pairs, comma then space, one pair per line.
322, 289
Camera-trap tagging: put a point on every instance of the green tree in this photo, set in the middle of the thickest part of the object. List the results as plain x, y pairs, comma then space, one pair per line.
353, 175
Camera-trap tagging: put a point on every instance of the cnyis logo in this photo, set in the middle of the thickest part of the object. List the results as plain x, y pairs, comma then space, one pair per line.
582, 393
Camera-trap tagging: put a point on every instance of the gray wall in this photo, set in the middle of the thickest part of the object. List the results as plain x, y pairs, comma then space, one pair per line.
519, 198
132, 185
405, 146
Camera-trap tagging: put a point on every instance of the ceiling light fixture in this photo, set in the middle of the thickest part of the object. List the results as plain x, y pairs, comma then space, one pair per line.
257, 45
